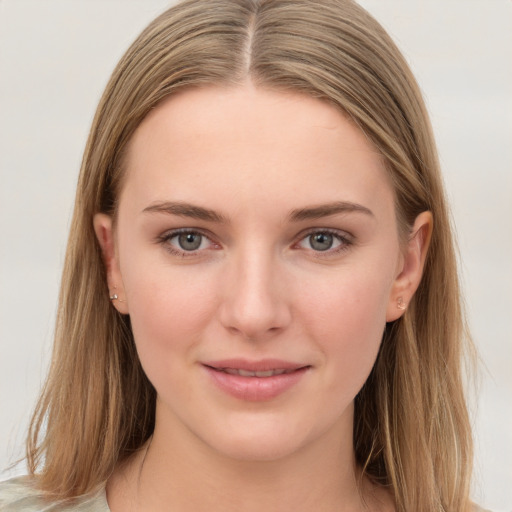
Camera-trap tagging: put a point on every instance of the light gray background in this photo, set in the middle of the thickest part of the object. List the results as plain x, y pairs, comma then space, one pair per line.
55, 59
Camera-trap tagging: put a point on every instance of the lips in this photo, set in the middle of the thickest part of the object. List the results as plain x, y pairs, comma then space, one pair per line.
254, 366
255, 380
248, 373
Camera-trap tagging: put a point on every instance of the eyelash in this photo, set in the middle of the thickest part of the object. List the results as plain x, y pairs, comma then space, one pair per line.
167, 237
342, 237
344, 241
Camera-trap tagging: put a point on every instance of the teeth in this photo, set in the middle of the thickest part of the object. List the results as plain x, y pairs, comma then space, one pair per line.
231, 371
268, 373
246, 373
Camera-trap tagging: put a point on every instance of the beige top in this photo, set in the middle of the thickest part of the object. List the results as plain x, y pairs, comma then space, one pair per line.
18, 495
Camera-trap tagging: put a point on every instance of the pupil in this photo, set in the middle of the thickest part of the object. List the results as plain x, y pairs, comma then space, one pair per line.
321, 241
189, 241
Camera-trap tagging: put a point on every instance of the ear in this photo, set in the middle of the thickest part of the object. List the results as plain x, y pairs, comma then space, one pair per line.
411, 268
105, 235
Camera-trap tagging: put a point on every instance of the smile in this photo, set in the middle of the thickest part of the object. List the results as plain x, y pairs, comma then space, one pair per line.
247, 373
255, 381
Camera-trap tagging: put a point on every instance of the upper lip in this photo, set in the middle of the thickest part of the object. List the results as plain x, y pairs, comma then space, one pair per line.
254, 366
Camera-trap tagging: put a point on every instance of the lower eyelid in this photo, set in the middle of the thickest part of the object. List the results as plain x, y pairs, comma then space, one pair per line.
345, 241
175, 250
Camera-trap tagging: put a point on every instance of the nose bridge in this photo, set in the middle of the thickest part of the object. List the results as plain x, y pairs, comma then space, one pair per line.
254, 304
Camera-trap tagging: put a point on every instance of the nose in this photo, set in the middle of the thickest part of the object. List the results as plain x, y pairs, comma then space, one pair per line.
254, 305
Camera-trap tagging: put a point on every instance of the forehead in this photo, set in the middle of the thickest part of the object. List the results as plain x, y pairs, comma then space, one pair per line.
254, 146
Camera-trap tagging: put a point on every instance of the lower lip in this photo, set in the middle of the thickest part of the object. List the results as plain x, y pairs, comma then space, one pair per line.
255, 389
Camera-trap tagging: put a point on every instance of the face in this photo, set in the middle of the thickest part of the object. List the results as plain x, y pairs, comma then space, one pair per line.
257, 253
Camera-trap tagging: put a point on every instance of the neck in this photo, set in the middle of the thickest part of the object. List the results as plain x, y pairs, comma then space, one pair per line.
177, 471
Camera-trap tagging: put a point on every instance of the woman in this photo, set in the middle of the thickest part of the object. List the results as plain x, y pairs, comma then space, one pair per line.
260, 294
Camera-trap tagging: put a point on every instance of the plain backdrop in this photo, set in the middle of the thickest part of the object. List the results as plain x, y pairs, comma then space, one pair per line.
55, 59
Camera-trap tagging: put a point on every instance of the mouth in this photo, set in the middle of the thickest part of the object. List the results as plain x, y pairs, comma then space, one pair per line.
255, 381
262, 368
248, 373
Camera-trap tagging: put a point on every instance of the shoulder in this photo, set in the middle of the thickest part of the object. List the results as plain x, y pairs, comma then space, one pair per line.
476, 508
20, 495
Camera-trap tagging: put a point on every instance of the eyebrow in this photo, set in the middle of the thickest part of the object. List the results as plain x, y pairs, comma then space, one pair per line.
186, 210
300, 214
325, 210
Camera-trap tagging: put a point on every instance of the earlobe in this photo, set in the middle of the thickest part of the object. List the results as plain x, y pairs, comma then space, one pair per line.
103, 228
409, 277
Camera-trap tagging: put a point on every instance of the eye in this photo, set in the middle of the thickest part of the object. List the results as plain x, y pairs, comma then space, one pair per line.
324, 241
186, 242
321, 241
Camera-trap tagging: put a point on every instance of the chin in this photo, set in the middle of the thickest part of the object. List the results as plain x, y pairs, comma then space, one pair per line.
264, 448
253, 439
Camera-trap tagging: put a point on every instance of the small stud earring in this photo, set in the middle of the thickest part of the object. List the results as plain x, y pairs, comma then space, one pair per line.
114, 296
401, 304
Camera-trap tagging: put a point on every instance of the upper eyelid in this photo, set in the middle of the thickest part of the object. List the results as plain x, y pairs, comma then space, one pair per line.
332, 231
341, 234
164, 240
166, 236
346, 240
170, 233
303, 233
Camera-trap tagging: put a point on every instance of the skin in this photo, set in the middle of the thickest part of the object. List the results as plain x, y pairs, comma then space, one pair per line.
255, 288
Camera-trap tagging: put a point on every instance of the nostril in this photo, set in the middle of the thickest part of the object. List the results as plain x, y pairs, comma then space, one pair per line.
253, 333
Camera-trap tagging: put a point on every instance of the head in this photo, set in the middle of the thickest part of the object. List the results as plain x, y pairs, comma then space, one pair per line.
335, 54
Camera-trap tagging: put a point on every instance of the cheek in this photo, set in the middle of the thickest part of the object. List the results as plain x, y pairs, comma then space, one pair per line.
347, 320
168, 313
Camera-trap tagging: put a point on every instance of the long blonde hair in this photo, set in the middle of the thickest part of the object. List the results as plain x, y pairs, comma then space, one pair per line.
411, 430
